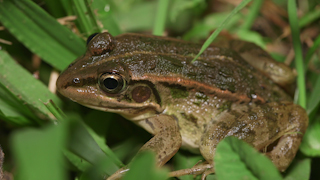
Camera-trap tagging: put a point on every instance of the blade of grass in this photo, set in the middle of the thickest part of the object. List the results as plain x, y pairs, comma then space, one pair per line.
314, 98
219, 29
40, 32
309, 17
14, 111
55, 110
23, 85
235, 159
86, 18
55, 8
161, 16
104, 14
38, 153
82, 144
143, 167
299, 169
136, 19
311, 51
253, 13
294, 24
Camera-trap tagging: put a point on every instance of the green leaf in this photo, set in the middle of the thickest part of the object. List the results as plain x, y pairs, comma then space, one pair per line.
38, 153
299, 169
13, 110
310, 145
161, 16
235, 159
83, 145
251, 36
40, 32
22, 86
136, 19
201, 29
294, 25
219, 29
314, 99
143, 167
105, 17
182, 161
85, 17
98, 125
77, 161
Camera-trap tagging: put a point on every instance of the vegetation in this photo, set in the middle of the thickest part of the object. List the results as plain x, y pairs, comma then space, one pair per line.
44, 37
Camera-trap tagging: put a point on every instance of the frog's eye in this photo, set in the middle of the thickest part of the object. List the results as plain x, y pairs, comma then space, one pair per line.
90, 37
112, 83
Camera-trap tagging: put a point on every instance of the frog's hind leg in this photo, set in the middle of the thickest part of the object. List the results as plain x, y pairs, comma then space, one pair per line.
283, 149
280, 125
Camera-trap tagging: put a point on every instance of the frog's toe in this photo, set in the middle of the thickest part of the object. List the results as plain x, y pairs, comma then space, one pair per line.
206, 173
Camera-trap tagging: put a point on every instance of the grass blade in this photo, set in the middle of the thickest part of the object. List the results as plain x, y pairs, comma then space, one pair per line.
219, 29
235, 159
161, 15
311, 51
13, 77
40, 32
253, 13
294, 24
38, 153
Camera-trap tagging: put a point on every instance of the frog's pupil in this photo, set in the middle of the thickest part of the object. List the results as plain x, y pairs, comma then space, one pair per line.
110, 83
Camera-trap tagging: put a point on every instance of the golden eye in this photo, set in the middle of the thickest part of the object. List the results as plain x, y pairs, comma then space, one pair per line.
112, 83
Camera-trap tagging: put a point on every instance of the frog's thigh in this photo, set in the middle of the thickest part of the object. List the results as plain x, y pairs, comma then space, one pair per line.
260, 59
260, 126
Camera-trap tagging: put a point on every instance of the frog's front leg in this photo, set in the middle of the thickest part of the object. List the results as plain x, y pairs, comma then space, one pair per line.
165, 143
279, 125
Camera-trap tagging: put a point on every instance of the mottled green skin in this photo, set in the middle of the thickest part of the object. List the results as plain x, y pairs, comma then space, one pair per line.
218, 95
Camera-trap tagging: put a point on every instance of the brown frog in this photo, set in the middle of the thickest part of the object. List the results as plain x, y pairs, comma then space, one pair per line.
151, 81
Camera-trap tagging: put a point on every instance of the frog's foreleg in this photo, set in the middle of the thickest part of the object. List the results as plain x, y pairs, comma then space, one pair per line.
165, 143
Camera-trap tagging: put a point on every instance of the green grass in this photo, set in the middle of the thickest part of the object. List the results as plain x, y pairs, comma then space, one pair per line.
45, 140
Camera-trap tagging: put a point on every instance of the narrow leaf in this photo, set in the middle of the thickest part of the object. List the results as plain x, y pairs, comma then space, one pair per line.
294, 24
40, 32
310, 145
23, 85
299, 169
143, 167
38, 153
236, 159
219, 29
161, 16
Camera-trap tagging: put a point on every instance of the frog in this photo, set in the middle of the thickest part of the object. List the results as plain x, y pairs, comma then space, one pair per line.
235, 89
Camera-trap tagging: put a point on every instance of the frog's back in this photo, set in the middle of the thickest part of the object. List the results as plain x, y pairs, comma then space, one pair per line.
218, 71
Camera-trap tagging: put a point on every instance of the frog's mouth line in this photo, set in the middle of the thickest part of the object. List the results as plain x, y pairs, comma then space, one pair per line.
131, 112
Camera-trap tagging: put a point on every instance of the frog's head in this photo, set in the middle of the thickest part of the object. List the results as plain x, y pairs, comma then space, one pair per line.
102, 79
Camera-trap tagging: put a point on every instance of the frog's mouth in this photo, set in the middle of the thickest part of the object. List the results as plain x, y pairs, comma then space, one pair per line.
134, 113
